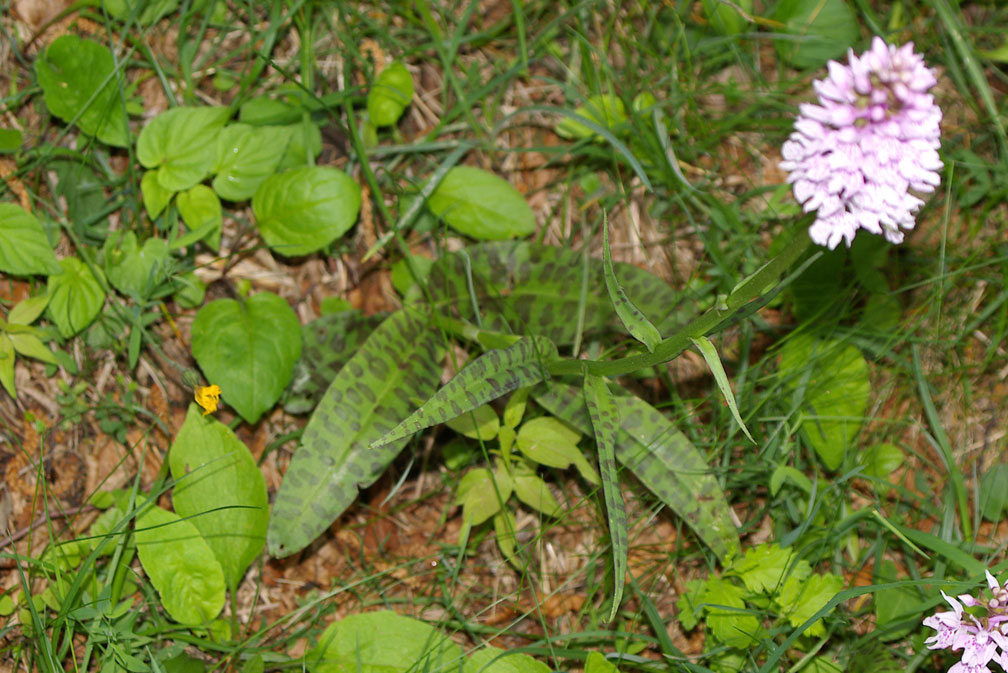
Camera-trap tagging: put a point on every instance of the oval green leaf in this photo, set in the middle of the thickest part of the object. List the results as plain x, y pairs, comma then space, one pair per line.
606, 110
201, 211
24, 248
82, 86
135, 271
305, 209
819, 30
383, 642
180, 565
249, 349
219, 488
75, 297
181, 144
481, 205
832, 378
391, 92
247, 155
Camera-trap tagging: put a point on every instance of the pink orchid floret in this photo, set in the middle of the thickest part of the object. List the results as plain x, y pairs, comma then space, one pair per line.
871, 143
980, 635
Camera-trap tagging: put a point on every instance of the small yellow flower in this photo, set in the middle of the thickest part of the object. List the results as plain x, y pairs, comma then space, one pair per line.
208, 397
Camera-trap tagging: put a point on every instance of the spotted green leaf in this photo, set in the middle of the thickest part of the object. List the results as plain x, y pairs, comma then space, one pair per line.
605, 423
180, 565
529, 288
636, 322
661, 457
82, 86
491, 375
371, 394
249, 349
220, 489
328, 342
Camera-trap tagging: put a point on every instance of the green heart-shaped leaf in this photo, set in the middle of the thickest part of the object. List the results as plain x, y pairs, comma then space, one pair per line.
249, 349
247, 155
82, 87
181, 144
75, 297
24, 248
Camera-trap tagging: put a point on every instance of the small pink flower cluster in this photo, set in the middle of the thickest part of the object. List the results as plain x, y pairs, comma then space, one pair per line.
982, 641
858, 157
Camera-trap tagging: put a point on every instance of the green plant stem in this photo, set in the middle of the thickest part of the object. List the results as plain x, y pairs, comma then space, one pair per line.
754, 287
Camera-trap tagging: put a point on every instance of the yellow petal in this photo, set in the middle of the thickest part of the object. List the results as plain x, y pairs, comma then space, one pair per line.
208, 397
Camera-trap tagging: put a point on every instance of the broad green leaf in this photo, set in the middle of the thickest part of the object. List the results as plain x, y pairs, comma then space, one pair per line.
372, 393
482, 494
180, 565
383, 642
832, 378
514, 408
155, 197
725, 17
249, 349
75, 297
763, 568
7, 364
135, 271
219, 488
787, 474
690, 605
801, 598
486, 425
994, 492
549, 442
247, 155
726, 615
713, 360
305, 209
83, 87
201, 211
26, 343
181, 143
605, 423
882, 460
818, 30
597, 663
304, 146
534, 492
28, 310
606, 110
328, 342
391, 92
10, 140
495, 660
898, 609
491, 375
505, 531
481, 205
637, 324
24, 248
661, 457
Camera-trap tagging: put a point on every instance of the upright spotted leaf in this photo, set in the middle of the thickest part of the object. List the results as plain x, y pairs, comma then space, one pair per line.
493, 374
605, 422
372, 393
661, 457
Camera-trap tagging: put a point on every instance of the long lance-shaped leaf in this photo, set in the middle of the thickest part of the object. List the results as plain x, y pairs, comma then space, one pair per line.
400, 361
495, 373
664, 460
637, 324
710, 355
606, 422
